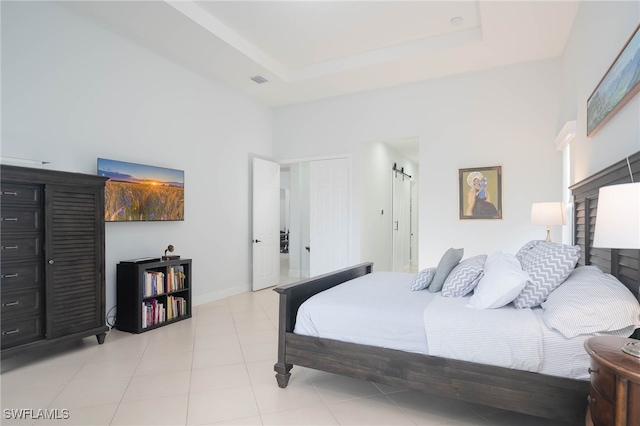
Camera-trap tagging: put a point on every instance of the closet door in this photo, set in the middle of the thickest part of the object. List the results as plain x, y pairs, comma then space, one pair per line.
74, 253
329, 215
401, 216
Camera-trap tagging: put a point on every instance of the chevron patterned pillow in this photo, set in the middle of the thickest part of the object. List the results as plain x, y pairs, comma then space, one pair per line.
422, 280
525, 249
548, 264
464, 277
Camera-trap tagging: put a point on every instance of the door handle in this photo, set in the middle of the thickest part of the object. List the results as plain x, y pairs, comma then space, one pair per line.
308, 249
256, 241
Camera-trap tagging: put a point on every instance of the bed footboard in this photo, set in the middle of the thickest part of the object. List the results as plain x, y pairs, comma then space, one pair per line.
293, 295
520, 391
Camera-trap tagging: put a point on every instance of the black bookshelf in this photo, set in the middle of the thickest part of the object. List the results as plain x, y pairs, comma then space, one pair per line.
152, 293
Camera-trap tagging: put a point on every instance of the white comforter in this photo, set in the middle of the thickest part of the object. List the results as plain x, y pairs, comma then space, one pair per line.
378, 309
504, 337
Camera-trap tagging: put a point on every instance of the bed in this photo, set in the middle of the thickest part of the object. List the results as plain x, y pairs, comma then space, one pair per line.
534, 393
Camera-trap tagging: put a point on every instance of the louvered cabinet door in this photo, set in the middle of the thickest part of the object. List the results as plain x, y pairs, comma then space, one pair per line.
74, 253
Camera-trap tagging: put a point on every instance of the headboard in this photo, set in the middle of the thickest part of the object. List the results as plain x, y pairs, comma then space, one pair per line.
623, 264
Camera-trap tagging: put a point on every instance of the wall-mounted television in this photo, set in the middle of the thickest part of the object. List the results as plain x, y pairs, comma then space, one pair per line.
137, 192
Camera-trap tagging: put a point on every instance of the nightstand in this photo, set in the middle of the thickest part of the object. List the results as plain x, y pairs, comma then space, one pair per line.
614, 395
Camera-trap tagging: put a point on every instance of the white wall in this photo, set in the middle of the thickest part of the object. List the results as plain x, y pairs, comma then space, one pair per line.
505, 116
73, 91
600, 31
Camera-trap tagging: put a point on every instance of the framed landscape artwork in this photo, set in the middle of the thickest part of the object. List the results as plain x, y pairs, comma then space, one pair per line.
137, 192
620, 83
480, 192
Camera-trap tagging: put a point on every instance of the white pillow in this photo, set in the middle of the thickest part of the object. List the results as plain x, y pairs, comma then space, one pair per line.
502, 281
592, 302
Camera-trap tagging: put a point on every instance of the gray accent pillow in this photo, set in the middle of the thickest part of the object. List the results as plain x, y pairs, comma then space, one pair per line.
449, 260
422, 280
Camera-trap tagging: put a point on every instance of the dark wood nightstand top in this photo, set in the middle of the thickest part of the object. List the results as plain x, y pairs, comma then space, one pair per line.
607, 351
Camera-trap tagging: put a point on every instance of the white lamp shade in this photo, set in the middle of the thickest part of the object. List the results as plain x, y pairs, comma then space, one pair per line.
618, 217
548, 214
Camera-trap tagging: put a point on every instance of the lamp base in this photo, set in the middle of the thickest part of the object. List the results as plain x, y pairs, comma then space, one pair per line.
632, 349
548, 234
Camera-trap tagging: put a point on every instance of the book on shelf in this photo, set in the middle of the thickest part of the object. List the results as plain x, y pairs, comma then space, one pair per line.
176, 307
175, 278
153, 312
180, 277
153, 283
170, 279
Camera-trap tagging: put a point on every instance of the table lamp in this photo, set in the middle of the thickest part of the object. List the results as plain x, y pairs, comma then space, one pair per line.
618, 226
548, 214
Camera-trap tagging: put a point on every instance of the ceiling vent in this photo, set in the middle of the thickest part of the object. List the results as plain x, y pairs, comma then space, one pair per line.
259, 79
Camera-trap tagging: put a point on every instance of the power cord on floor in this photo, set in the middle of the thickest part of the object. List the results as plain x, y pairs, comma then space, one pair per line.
111, 318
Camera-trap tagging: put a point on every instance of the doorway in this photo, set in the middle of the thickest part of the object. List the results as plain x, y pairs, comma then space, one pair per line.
317, 208
288, 273
383, 223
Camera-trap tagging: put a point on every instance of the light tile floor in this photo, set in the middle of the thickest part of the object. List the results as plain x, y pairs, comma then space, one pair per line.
214, 369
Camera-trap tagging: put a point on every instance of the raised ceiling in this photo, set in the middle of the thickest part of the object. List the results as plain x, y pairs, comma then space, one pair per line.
309, 50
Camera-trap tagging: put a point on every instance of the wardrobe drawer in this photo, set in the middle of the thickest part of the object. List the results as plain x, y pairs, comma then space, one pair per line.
27, 302
21, 330
15, 193
20, 247
16, 275
21, 219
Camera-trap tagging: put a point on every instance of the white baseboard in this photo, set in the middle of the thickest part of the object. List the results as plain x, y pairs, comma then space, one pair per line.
217, 295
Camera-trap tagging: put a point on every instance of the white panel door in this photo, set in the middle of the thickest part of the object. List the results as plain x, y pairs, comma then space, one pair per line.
329, 215
266, 221
414, 255
401, 216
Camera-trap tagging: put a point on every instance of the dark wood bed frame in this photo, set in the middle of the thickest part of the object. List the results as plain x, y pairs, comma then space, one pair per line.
521, 391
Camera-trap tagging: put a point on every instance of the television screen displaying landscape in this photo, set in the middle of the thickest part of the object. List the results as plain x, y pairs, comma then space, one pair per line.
137, 192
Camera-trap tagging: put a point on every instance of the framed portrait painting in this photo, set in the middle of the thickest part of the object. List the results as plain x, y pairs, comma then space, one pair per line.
480, 192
